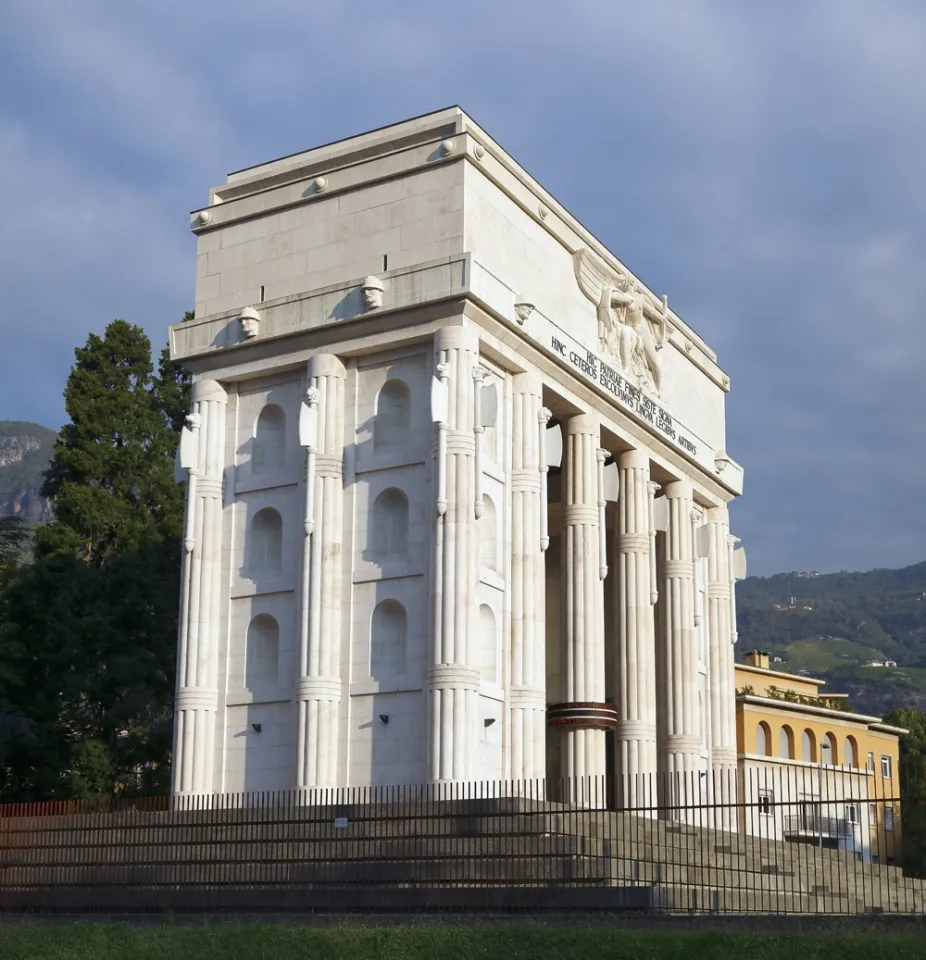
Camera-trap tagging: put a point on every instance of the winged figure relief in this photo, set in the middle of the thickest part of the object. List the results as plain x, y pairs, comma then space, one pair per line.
632, 328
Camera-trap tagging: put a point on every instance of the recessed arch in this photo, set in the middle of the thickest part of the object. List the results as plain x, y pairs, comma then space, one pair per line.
262, 651
786, 742
808, 746
763, 739
488, 643
830, 749
392, 420
269, 449
389, 524
488, 535
265, 544
388, 639
850, 752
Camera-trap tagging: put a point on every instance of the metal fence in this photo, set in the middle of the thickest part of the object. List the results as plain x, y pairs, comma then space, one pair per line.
794, 839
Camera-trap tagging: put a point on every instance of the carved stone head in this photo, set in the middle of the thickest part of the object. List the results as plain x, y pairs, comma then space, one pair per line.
372, 290
249, 319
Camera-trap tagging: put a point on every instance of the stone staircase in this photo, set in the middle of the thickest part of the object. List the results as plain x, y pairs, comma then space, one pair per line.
453, 854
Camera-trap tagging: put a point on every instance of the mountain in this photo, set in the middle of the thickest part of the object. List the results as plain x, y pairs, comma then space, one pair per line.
838, 626
25, 451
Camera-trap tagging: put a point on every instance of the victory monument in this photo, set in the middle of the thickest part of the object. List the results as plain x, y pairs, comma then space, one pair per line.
457, 486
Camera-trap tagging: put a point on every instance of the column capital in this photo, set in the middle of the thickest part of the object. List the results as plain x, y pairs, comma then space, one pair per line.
679, 490
530, 382
583, 423
211, 391
633, 460
326, 365
457, 338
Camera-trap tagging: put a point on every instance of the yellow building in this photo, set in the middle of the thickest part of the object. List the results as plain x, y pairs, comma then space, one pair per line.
812, 771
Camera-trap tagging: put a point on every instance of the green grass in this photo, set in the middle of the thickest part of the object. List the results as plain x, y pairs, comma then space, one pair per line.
822, 655
431, 941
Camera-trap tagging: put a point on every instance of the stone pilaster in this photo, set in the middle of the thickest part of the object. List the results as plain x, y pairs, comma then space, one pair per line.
197, 656
721, 670
583, 717
528, 585
635, 681
318, 686
453, 679
680, 748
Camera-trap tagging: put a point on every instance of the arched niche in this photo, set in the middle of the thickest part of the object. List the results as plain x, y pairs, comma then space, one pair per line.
786, 743
763, 739
262, 652
388, 639
392, 421
808, 746
850, 753
269, 449
488, 535
265, 543
830, 749
389, 524
488, 643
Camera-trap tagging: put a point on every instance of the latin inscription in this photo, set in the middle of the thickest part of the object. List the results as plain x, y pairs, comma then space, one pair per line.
630, 396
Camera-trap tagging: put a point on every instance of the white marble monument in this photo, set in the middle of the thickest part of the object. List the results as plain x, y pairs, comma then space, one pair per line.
457, 486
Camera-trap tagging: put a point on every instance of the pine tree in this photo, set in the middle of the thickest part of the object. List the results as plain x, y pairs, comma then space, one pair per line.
96, 613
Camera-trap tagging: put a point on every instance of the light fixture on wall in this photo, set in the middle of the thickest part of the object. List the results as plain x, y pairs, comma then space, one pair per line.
384, 717
256, 727
488, 721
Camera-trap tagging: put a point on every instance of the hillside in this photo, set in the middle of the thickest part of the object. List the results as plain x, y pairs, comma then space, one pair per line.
832, 625
25, 450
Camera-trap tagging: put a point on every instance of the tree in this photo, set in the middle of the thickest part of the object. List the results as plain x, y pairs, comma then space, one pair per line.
912, 788
96, 613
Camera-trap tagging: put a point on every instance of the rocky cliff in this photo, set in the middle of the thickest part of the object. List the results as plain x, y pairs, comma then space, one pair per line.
25, 450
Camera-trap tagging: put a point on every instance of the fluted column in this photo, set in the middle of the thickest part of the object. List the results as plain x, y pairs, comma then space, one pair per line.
721, 669
528, 585
453, 679
318, 686
197, 656
635, 683
680, 749
584, 717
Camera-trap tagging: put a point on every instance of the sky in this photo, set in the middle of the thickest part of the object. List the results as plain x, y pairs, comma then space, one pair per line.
762, 163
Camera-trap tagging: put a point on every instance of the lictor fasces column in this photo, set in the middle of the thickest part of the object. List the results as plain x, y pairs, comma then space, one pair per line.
721, 669
453, 680
318, 687
635, 686
197, 657
528, 585
681, 748
584, 717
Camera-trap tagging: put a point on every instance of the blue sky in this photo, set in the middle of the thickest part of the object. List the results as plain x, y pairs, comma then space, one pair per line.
762, 163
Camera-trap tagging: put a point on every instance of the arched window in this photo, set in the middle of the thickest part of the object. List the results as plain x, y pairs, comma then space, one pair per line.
786, 743
269, 449
389, 524
808, 746
262, 652
488, 535
393, 417
763, 739
265, 549
388, 637
829, 748
850, 753
488, 643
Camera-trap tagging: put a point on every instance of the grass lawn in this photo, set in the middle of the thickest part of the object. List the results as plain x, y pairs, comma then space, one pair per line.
821, 655
433, 941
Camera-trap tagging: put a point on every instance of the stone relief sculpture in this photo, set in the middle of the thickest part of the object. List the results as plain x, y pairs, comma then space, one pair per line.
372, 290
632, 329
249, 319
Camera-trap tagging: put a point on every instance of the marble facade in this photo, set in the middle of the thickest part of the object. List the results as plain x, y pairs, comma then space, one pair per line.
456, 486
